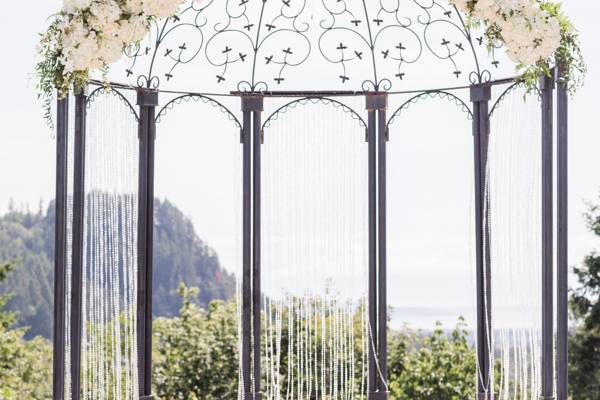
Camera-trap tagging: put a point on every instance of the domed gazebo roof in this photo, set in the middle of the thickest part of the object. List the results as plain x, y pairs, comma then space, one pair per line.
291, 45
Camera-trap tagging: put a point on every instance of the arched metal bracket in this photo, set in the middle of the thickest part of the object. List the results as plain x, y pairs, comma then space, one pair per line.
314, 100
431, 94
110, 90
186, 98
507, 91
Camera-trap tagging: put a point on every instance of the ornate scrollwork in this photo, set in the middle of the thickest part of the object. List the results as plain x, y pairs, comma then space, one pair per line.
355, 31
253, 44
173, 41
278, 41
353, 35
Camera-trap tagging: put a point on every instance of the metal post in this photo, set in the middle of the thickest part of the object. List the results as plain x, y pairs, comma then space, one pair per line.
562, 350
252, 106
257, 105
77, 253
60, 252
372, 297
547, 87
147, 100
247, 253
377, 139
480, 96
382, 243
487, 256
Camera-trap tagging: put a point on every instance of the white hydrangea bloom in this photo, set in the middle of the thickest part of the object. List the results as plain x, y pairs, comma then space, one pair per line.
517, 5
488, 10
74, 32
135, 7
72, 6
161, 8
99, 39
529, 33
133, 30
82, 56
530, 36
110, 49
105, 14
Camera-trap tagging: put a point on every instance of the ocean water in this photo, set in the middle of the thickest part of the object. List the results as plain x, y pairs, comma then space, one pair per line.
425, 318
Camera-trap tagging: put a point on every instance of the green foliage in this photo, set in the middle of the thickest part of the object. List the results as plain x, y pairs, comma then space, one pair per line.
25, 366
196, 357
196, 353
584, 346
179, 255
27, 238
437, 366
50, 70
568, 54
7, 319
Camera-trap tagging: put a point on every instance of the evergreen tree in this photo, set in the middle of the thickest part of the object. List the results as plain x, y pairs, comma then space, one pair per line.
584, 345
436, 366
179, 256
25, 366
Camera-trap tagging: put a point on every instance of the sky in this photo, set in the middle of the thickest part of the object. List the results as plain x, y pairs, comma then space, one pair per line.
430, 193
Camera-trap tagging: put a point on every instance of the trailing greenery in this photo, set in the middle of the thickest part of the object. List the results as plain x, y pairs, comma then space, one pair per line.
91, 35
52, 80
568, 55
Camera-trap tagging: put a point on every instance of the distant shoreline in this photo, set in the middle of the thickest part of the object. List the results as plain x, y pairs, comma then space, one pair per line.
425, 318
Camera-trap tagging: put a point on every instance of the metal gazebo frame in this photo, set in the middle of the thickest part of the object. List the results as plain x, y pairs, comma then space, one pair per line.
251, 94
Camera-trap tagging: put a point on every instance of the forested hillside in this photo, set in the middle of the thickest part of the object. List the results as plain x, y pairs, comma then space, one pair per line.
27, 238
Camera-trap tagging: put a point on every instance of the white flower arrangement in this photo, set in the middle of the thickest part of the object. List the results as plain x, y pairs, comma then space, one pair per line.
536, 35
91, 35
